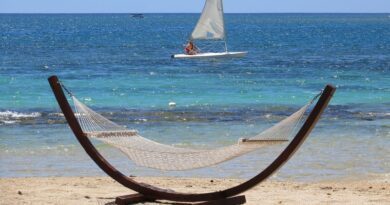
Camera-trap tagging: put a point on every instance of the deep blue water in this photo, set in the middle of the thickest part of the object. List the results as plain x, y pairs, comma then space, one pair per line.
121, 67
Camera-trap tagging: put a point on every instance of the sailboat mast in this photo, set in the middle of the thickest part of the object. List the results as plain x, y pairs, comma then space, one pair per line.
223, 20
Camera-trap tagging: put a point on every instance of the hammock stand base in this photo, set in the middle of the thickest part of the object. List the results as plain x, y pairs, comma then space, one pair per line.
139, 198
148, 192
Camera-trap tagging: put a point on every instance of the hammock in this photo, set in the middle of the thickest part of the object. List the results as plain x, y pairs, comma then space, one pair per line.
98, 127
148, 153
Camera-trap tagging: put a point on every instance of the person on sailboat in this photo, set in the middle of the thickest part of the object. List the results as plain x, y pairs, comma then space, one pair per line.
191, 49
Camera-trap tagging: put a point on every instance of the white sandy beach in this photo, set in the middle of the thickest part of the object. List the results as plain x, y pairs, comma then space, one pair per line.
102, 190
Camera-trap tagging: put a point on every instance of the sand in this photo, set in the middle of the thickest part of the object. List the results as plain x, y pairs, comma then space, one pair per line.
102, 190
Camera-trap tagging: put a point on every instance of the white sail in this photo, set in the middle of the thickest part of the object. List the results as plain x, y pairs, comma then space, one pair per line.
211, 23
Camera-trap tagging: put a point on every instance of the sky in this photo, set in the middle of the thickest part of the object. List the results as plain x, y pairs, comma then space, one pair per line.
193, 6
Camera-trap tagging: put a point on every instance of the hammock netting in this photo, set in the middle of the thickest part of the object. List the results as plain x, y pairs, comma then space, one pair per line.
148, 153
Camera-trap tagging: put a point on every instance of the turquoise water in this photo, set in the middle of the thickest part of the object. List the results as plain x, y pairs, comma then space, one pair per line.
121, 67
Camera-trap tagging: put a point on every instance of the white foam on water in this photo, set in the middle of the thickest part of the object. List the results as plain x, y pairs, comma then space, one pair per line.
18, 115
12, 117
9, 121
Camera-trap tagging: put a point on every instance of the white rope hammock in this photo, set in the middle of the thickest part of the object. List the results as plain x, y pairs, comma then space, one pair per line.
148, 153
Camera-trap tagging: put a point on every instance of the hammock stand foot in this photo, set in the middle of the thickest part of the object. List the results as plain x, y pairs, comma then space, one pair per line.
138, 198
227, 201
132, 199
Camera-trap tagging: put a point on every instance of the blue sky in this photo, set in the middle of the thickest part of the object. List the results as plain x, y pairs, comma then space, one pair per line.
192, 6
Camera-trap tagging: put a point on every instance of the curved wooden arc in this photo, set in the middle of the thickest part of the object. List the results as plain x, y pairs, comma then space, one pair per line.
158, 193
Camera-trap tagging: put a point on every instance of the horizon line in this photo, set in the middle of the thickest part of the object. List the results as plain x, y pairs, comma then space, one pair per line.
193, 12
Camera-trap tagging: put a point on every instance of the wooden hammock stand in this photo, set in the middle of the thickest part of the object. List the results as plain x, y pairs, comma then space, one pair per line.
146, 192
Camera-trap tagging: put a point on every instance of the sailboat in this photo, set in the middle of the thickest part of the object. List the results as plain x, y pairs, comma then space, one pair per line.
210, 27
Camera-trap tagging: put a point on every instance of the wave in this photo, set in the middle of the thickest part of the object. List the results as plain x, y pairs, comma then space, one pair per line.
18, 115
200, 114
11, 117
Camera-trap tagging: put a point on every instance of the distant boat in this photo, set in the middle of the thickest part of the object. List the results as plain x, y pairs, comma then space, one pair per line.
210, 26
137, 16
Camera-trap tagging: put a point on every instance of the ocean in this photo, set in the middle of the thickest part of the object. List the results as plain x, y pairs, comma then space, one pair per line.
121, 67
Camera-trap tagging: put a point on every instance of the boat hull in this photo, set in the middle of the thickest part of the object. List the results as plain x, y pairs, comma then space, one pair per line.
212, 55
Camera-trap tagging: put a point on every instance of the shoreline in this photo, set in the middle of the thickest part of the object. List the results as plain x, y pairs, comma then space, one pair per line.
102, 190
